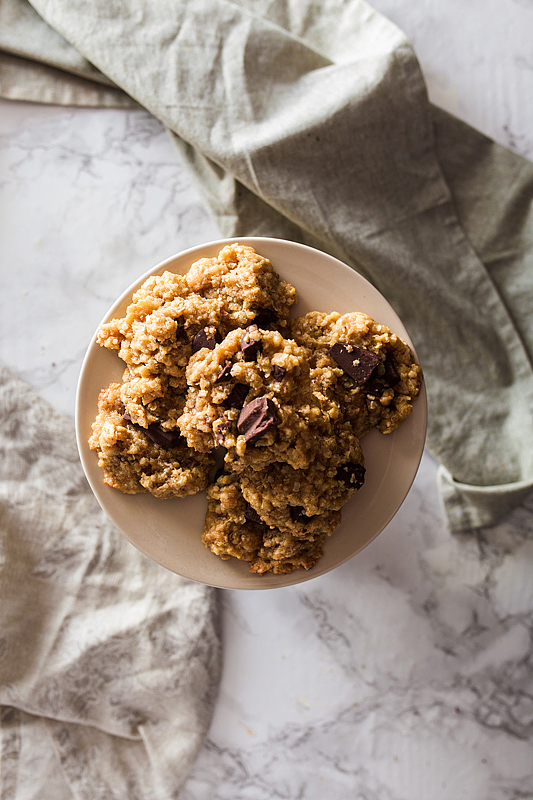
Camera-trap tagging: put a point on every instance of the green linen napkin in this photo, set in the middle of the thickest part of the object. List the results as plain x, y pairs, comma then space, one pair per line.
311, 122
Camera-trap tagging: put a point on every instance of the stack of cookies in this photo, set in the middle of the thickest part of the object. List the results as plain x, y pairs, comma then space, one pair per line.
217, 373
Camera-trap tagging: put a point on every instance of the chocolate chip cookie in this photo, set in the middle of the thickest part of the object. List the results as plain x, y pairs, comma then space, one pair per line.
138, 459
361, 366
214, 364
252, 395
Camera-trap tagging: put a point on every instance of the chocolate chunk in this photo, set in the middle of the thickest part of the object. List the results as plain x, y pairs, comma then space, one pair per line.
237, 396
225, 373
278, 373
251, 343
375, 387
297, 514
353, 475
221, 430
206, 337
256, 418
357, 362
265, 318
162, 436
390, 376
156, 433
251, 514
377, 384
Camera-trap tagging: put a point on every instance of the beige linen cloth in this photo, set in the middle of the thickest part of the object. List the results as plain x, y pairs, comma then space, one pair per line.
109, 664
304, 120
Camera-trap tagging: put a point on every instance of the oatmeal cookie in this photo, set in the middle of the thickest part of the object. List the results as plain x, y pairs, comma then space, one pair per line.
213, 361
361, 366
173, 316
232, 290
252, 395
300, 499
136, 459
233, 529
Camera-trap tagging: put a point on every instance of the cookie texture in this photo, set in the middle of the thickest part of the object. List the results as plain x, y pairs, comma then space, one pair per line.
382, 394
231, 530
334, 476
154, 459
274, 399
214, 365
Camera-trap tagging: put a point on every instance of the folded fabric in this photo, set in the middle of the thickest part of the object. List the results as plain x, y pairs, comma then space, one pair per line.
311, 122
109, 664
36, 63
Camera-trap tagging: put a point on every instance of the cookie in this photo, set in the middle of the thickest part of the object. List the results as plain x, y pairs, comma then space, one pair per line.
136, 459
361, 366
231, 530
298, 499
252, 395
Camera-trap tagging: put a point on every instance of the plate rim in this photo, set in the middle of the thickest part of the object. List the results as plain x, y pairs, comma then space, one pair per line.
259, 582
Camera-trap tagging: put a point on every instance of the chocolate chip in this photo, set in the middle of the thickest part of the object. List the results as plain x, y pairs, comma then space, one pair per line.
206, 337
357, 362
225, 373
162, 436
256, 418
390, 376
237, 396
278, 373
353, 475
265, 318
251, 514
297, 514
377, 384
251, 343
156, 433
375, 387
221, 430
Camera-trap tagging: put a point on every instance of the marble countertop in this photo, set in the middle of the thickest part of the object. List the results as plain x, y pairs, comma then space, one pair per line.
406, 674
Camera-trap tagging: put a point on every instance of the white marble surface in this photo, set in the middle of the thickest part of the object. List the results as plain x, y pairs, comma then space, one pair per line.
407, 673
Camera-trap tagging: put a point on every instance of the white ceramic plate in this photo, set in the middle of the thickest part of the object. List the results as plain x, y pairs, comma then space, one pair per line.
169, 531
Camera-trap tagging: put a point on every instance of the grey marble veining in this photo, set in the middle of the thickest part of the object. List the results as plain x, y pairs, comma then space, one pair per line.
477, 60
91, 199
406, 674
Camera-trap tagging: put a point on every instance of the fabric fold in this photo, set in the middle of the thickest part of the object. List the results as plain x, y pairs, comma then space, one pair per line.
39, 65
315, 124
119, 657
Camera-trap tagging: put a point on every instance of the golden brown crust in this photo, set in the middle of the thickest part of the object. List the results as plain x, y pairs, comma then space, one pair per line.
212, 360
133, 463
228, 533
375, 404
